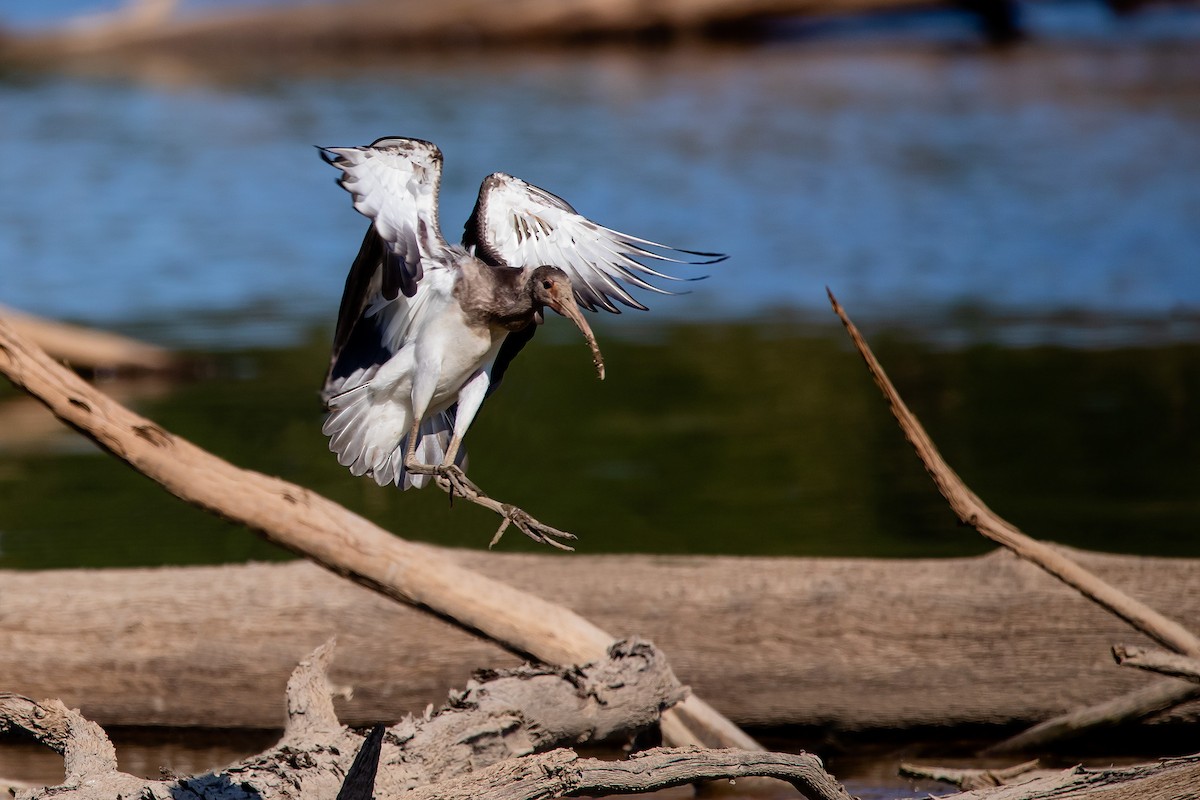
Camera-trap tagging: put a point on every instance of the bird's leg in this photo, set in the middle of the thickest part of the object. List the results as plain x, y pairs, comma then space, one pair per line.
410, 453
453, 480
450, 476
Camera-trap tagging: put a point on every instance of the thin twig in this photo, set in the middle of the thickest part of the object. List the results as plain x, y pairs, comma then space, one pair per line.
972, 511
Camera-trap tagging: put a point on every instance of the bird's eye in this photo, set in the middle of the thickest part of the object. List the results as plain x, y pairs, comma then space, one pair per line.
546, 284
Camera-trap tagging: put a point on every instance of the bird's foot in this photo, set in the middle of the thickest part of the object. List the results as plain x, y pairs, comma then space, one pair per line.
538, 531
454, 481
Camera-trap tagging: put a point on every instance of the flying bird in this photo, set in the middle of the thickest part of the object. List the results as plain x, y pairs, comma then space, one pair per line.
427, 329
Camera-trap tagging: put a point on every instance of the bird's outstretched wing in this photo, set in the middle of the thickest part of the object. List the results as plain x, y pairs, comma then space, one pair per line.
516, 224
395, 184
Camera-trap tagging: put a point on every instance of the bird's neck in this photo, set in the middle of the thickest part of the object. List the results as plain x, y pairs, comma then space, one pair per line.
495, 296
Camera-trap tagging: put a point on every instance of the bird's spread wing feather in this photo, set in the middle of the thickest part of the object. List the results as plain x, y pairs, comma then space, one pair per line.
516, 224
394, 183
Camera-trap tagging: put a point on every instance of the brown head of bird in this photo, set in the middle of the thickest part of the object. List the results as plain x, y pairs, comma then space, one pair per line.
551, 287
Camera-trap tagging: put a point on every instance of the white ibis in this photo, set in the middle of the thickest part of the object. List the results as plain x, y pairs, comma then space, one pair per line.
426, 329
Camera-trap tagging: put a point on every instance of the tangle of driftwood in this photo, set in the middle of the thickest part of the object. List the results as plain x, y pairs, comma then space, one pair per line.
492, 740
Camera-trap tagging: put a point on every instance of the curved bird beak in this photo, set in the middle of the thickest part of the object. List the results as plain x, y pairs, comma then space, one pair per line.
562, 300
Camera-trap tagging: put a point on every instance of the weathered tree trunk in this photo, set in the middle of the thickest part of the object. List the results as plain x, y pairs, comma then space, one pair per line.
848, 643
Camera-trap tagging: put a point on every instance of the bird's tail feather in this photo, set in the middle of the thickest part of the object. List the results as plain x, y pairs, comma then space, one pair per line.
364, 434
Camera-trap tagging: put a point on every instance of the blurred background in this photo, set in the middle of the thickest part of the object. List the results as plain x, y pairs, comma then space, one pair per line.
1006, 198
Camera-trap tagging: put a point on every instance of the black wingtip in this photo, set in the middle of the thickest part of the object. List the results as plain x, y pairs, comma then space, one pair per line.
713, 258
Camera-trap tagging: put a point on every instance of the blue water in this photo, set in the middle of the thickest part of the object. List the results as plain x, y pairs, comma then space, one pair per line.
1054, 187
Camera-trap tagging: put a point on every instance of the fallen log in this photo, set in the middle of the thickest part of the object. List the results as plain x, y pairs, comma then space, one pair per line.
845, 644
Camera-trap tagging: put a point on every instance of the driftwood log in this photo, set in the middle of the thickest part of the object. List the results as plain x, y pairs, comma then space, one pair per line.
150, 25
489, 740
843, 644
337, 539
485, 742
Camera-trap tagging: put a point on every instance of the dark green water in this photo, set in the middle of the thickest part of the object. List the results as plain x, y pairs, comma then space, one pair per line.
764, 438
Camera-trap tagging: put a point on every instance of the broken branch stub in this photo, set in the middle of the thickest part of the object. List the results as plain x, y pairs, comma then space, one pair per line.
1170, 664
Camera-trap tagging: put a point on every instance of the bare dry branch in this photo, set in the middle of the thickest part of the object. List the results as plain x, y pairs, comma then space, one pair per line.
562, 772
1169, 779
972, 511
1130, 707
84, 745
